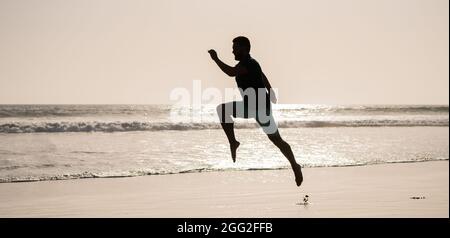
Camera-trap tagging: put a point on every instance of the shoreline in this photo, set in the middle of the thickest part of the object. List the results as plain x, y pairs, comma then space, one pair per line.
381, 190
195, 171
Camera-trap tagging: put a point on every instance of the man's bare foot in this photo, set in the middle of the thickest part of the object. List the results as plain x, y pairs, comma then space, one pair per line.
298, 174
233, 148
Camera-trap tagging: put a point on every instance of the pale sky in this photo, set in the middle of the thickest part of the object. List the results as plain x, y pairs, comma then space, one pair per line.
313, 51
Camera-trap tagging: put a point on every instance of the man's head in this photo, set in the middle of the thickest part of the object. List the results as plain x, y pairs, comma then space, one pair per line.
241, 47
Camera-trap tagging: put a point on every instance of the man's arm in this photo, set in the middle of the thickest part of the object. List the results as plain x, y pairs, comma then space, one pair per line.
272, 95
230, 71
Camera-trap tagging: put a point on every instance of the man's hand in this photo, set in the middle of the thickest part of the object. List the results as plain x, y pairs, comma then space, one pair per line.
213, 54
273, 97
230, 71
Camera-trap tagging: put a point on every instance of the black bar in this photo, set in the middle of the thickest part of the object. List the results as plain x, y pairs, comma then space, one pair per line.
198, 227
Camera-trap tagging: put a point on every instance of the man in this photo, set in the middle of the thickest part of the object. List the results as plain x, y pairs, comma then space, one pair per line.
252, 84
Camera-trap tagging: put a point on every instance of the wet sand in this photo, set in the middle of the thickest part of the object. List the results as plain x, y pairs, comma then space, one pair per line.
361, 191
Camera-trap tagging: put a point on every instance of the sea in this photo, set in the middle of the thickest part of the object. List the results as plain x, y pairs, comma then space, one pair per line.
56, 142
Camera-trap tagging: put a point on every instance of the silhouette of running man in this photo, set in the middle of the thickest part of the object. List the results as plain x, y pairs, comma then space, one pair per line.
257, 94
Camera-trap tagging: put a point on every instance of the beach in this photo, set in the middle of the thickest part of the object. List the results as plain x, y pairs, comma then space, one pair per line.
135, 161
385, 190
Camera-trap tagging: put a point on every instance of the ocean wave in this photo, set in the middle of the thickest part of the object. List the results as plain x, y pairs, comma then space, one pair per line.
28, 127
136, 173
27, 111
24, 111
385, 109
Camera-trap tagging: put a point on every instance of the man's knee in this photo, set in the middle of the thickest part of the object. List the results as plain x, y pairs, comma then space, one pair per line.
220, 110
224, 113
277, 140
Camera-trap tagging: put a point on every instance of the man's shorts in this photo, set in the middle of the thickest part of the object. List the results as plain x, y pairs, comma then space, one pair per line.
262, 115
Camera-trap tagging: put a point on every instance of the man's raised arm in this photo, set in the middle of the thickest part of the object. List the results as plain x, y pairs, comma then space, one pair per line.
228, 70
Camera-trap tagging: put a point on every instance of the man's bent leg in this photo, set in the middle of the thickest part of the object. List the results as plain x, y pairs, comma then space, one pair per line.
225, 111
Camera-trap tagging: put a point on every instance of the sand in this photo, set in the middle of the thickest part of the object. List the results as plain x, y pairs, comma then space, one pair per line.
361, 191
